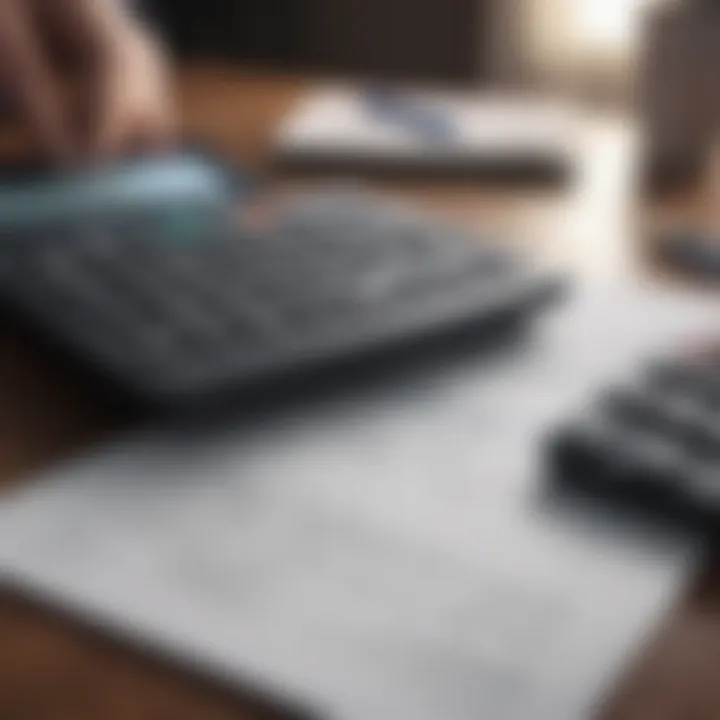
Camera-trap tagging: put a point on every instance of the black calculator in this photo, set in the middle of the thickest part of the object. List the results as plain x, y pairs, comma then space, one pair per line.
652, 442
151, 276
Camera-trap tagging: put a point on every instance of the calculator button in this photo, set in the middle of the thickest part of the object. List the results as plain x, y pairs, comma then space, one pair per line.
702, 487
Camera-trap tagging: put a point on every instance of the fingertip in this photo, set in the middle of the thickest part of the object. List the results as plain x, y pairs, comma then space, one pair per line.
105, 144
151, 137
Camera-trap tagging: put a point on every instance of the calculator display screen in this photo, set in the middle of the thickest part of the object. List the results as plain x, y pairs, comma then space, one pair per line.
146, 182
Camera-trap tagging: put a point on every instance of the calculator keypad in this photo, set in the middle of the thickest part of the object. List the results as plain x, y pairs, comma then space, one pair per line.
195, 297
657, 440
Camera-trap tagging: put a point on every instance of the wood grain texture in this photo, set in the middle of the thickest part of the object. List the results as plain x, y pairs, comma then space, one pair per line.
50, 669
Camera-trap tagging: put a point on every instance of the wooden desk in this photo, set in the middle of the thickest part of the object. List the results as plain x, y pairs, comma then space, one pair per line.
51, 670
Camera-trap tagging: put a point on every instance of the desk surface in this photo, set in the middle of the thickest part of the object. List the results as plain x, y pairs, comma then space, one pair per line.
50, 669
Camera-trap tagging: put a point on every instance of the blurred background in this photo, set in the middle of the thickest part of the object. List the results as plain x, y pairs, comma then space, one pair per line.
539, 41
656, 57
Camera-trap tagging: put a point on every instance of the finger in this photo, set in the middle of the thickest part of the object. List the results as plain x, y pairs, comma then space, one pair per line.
37, 94
156, 134
111, 126
148, 130
143, 139
137, 139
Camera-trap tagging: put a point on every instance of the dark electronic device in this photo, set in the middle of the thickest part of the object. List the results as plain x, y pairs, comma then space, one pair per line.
145, 274
653, 444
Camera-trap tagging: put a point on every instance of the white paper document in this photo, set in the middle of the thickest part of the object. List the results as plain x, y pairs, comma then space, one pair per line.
386, 553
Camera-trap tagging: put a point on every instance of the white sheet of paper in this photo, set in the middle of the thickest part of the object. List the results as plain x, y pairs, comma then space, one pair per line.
381, 555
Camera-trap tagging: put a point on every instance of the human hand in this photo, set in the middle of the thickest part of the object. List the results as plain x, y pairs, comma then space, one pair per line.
133, 105
118, 68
